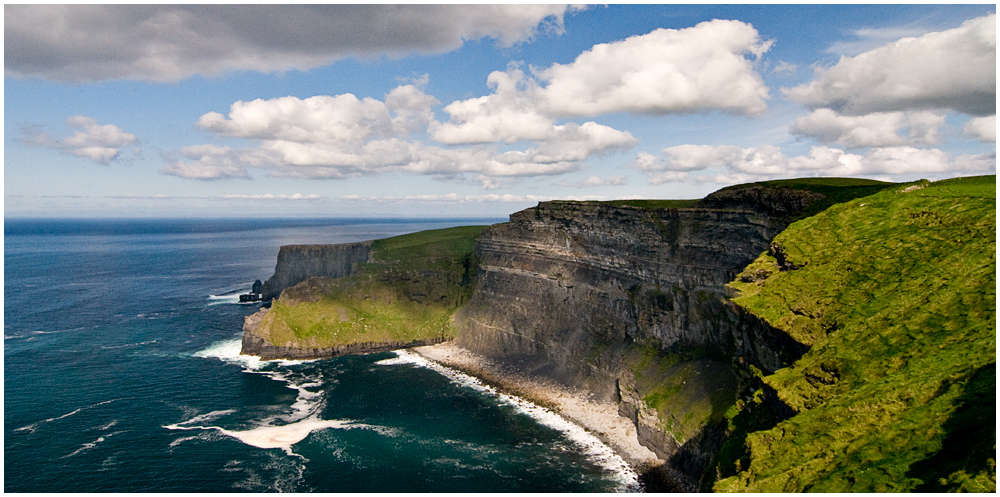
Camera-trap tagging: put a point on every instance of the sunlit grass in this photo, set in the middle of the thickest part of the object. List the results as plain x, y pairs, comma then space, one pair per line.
410, 292
896, 294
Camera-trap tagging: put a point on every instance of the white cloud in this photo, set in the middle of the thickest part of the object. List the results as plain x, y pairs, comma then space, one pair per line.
265, 196
785, 68
879, 129
595, 181
100, 143
171, 42
665, 71
509, 114
342, 120
211, 162
867, 39
983, 129
759, 163
343, 136
270, 196
953, 69
454, 198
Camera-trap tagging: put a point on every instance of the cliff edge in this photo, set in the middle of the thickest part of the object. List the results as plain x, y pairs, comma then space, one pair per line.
632, 301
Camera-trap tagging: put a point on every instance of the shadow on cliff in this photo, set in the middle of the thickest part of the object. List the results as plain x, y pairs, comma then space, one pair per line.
970, 437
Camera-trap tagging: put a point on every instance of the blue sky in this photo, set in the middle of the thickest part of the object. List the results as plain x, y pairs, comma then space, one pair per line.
455, 110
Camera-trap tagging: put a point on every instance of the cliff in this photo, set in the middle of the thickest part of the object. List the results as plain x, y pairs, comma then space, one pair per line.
629, 303
632, 301
895, 294
364, 297
297, 263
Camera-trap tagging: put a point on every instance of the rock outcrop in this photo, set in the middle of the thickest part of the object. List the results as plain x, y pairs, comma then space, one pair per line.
627, 302
297, 263
572, 290
255, 343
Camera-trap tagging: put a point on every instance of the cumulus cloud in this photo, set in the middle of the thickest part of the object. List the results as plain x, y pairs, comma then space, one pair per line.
171, 42
211, 162
952, 69
100, 143
758, 163
665, 71
879, 129
983, 129
343, 136
509, 114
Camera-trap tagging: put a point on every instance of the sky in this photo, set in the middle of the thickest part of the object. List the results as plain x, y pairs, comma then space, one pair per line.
477, 110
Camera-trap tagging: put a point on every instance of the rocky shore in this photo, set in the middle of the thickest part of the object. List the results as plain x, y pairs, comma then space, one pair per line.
600, 418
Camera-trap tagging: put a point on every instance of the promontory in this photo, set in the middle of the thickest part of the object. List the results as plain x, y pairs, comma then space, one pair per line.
820, 334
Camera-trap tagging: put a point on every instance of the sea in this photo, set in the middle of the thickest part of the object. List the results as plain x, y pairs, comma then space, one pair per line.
122, 373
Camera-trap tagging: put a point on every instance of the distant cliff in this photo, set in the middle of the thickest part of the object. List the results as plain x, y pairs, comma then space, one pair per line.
364, 297
297, 263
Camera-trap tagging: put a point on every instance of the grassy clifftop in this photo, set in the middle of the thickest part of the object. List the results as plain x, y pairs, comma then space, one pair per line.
896, 294
409, 291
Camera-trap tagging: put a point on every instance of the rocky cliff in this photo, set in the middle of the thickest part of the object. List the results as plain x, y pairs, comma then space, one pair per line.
297, 263
629, 303
626, 300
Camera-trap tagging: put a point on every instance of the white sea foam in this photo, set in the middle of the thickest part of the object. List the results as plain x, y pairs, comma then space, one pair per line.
34, 426
278, 437
595, 450
276, 432
227, 299
393, 361
137, 344
229, 351
91, 445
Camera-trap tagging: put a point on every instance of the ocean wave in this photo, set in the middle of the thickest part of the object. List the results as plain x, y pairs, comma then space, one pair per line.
34, 426
90, 445
593, 448
229, 351
226, 299
137, 344
278, 437
283, 430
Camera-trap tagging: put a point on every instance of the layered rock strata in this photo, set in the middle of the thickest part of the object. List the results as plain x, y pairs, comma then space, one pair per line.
297, 263
630, 304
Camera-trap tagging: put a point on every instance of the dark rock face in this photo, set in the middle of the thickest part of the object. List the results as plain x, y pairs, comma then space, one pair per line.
566, 288
297, 263
587, 294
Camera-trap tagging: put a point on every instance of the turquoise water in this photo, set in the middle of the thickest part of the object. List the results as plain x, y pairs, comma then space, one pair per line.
122, 373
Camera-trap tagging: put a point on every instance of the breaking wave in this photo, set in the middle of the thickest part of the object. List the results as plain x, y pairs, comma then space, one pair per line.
593, 448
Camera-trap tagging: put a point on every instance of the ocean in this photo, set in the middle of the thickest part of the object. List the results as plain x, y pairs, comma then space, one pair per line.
122, 373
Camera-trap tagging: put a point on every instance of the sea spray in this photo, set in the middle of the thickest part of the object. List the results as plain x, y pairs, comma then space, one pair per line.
297, 425
592, 447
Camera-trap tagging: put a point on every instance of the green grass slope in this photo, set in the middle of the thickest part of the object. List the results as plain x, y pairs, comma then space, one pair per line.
410, 292
896, 294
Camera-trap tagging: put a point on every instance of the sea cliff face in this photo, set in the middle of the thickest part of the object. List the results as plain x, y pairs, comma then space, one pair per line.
297, 263
629, 303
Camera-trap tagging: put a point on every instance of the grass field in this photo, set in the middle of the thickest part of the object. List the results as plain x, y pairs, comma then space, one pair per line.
896, 294
410, 292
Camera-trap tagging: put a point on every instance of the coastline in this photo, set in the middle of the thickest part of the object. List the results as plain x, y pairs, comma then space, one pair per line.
601, 419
